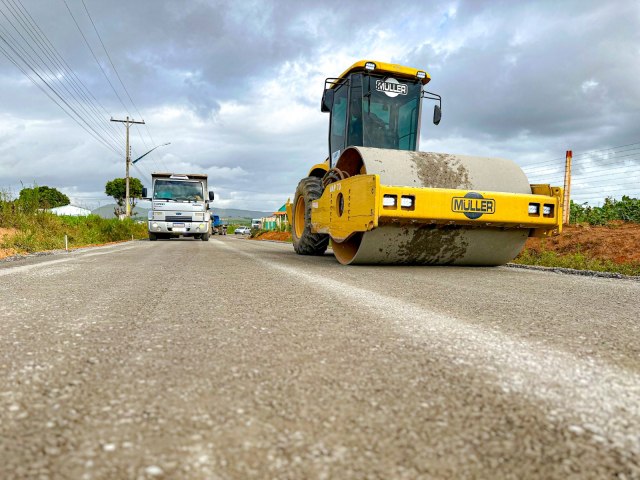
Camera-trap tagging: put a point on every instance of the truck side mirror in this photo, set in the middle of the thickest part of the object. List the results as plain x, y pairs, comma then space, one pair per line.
144, 192
210, 195
327, 100
437, 114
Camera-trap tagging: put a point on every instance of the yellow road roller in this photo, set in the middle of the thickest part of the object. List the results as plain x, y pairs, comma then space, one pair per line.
381, 201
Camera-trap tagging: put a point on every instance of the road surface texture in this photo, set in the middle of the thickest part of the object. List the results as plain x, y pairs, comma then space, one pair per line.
239, 359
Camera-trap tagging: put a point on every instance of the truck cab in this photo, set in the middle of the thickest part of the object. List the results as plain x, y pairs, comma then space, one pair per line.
180, 206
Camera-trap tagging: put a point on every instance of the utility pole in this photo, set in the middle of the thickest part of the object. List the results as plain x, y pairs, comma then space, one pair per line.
128, 122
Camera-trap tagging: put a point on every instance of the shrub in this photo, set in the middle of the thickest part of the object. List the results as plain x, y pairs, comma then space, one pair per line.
39, 230
626, 209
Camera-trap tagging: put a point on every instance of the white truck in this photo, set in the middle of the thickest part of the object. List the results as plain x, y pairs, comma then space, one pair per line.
179, 206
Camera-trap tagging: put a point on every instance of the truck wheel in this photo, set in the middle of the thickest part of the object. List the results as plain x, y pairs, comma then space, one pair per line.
306, 242
152, 237
204, 237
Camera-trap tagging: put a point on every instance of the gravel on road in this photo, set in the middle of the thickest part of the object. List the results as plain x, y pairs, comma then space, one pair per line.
239, 359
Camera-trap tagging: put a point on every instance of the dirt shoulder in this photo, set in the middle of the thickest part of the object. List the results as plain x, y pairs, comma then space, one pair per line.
277, 236
616, 242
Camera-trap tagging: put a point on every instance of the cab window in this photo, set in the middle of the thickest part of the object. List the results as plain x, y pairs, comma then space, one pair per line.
338, 122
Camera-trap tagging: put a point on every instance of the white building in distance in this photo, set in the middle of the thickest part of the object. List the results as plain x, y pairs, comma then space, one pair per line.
71, 211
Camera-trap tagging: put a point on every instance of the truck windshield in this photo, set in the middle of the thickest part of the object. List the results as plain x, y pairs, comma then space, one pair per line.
178, 190
390, 113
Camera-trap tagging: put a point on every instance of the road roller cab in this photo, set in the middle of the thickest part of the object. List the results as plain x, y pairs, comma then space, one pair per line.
375, 104
381, 201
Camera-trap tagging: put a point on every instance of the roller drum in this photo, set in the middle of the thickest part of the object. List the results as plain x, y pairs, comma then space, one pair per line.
395, 243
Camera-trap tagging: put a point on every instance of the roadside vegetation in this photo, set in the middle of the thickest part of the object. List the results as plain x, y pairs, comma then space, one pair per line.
27, 227
576, 261
603, 239
627, 210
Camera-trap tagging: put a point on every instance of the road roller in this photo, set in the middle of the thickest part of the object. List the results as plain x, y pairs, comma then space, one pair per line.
380, 200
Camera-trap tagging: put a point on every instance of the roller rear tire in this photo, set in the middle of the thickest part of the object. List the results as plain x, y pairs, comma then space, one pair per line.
305, 242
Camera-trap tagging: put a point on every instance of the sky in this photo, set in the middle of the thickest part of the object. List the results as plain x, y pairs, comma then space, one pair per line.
235, 88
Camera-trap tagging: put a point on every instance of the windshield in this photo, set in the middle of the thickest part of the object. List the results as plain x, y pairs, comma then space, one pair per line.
178, 190
390, 113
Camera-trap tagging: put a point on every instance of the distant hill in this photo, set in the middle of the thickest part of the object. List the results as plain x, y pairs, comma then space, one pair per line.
106, 211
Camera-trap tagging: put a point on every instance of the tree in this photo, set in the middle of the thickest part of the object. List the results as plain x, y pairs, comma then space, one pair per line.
117, 189
44, 197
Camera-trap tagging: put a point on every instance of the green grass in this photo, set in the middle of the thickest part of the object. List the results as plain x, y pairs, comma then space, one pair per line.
576, 261
39, 230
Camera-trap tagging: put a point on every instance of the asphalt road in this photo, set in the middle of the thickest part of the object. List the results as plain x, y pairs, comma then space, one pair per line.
238, 359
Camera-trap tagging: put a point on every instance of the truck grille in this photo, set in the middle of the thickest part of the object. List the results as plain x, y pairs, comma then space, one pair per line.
176, 218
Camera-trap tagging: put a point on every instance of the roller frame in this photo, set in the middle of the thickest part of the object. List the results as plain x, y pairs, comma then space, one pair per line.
364, 210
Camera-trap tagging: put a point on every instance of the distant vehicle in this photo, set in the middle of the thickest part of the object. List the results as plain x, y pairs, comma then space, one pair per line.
242, 231
256, 223
217, 227
180, 206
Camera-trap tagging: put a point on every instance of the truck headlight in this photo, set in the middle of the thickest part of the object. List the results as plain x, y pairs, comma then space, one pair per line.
150, 215
154, 225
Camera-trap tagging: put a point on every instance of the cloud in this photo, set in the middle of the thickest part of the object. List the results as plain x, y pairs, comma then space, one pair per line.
235, 86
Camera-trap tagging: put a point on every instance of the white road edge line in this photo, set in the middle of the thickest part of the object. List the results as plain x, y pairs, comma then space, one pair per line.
595, 398
24, 268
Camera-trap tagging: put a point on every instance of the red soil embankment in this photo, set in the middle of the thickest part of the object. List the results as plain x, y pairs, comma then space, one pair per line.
279, 236
618, 242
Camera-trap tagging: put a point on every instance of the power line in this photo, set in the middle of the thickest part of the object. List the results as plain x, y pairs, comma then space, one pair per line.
121, 82
557, 161
61, 63
581, 169
20, 54
66, 73
95, 57
77, 118
33, 64
591, 152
